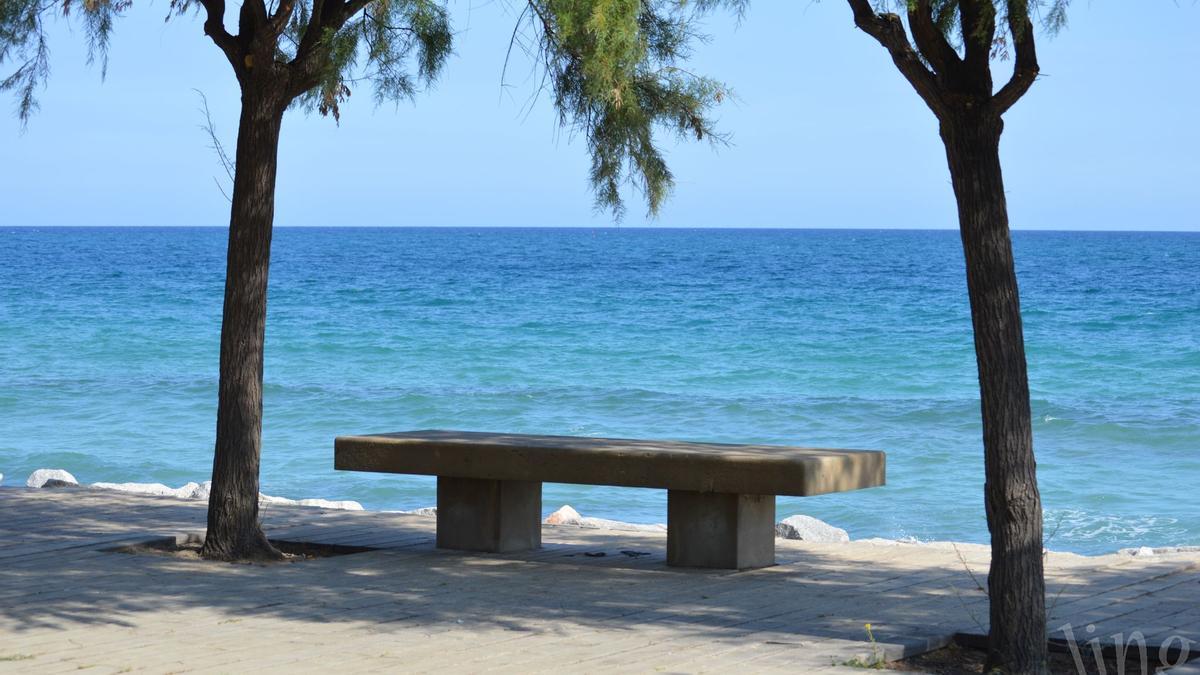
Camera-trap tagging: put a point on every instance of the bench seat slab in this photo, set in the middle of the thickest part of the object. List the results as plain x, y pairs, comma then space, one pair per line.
671, 465
720, 530
495, 516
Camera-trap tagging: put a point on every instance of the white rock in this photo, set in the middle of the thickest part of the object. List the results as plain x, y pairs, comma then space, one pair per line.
38, 478
201, 491
569, 516
1, 479
154, 489
1144, 552
605, 524
807, 528
187, 491
423, 511
565, 515
345, 505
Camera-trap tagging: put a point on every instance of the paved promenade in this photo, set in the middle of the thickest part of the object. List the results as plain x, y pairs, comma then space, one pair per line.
67, 605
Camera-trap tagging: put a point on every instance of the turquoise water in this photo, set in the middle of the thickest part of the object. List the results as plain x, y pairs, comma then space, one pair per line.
857, 339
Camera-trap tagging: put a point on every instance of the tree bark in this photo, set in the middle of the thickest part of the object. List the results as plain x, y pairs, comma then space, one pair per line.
1016, 586
234, 532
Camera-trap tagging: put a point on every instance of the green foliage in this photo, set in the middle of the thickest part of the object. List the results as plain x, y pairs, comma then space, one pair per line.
97, 17
23, 42
613, 66
1051, 15
385, 37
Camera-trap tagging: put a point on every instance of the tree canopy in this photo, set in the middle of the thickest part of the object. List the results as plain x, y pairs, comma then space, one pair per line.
954, 42
612, 66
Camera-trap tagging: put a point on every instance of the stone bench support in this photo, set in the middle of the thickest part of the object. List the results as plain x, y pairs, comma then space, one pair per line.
496, 516
715, 529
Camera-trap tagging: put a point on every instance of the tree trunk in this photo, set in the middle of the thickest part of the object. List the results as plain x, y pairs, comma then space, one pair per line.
1016, 585
234, 532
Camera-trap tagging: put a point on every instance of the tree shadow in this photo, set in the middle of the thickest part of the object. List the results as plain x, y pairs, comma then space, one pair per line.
55, 574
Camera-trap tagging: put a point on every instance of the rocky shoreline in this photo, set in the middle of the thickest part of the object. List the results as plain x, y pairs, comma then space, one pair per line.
798, 527
61, 478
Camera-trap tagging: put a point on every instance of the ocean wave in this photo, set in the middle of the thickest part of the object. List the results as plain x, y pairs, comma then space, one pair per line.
1079, 525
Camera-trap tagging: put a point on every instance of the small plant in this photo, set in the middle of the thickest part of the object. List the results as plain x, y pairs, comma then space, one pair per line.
978, 586
876, 661
16, 657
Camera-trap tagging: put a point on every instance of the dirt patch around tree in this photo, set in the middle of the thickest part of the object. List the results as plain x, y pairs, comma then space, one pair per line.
966, 656
187, 547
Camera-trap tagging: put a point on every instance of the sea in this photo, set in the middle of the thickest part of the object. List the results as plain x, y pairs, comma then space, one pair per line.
828, 338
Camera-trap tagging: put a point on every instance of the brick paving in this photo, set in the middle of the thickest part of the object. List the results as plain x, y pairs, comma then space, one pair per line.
68, 604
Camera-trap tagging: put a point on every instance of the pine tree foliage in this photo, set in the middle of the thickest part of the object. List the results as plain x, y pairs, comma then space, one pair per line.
24, 47
613, 66
614, 69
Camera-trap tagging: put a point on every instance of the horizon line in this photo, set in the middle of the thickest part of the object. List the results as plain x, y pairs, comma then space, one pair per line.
584, 227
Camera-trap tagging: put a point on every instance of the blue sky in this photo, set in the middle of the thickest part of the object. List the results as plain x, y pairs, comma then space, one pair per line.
825, 134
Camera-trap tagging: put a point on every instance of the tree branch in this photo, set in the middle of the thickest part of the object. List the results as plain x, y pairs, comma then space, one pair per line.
255, 10
888, 31
327, 16
1025, 65
978, 18
932, 42
214, 28
387, 26
312, 32
350, 8
282, 15
215, 143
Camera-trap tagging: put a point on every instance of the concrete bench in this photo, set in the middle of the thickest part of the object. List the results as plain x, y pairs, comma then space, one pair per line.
720, 497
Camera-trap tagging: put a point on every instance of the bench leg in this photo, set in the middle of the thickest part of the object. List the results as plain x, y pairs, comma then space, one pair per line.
725, 531
496, 516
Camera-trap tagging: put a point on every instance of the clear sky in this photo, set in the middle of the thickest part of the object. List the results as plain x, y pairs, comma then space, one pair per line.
825, 133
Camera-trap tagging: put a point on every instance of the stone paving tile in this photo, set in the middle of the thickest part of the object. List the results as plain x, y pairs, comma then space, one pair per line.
71, 607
